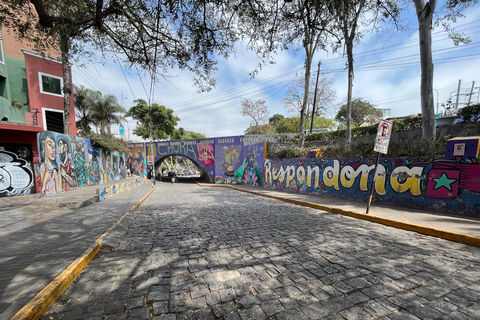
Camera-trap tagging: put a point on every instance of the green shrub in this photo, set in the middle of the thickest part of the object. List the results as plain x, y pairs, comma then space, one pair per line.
470, 113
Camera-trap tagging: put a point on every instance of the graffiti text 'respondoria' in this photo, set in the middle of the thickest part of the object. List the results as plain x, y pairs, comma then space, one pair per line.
401, 179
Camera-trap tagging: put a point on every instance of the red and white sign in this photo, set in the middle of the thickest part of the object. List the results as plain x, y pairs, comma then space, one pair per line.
150, 159
383, 136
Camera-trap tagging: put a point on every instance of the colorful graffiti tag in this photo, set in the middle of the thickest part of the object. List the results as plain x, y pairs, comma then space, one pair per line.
16, 174
68, 162
429, 184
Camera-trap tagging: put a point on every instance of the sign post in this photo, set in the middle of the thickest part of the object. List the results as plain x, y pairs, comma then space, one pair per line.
381, 146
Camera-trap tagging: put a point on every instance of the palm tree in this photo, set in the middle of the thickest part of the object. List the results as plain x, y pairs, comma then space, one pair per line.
105, 112
85, 100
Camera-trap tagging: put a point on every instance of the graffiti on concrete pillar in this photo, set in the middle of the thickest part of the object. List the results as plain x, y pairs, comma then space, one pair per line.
16, 174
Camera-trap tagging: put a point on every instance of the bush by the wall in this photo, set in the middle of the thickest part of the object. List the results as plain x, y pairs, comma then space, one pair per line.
470, 113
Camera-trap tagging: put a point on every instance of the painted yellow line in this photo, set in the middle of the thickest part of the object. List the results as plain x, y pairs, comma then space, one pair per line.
444, 234
36, 307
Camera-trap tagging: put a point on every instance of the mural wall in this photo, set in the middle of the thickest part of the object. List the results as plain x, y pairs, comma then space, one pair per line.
430, 184
68, 162
16, 171
200, 151
136, 161
238, 164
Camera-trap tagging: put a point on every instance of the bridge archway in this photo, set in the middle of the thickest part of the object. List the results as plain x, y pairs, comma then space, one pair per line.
221, 160
200, 168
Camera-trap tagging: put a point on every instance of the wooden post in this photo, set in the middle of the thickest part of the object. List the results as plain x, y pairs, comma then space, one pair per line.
373, 183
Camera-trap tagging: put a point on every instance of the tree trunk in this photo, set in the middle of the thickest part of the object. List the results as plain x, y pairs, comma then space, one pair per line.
67, 91
303, 113
349, 44
424, 16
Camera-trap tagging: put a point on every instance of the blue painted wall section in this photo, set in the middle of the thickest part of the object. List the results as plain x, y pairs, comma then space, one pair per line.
443, 185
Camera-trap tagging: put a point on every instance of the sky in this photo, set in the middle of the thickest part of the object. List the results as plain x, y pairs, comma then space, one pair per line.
387, 74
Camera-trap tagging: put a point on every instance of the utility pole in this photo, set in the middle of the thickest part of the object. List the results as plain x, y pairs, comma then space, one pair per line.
315, 95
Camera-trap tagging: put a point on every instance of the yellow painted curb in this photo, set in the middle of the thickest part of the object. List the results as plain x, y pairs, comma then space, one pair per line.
444, 234
36, 307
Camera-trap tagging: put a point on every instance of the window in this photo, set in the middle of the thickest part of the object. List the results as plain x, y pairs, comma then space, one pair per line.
53, 120
50, 84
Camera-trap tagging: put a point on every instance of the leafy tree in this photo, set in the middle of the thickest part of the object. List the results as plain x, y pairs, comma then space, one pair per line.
257, 110
349, 16
84, 101
425, 12
154, 122
105, 112
279, 25
275, 119
155, 35
362, 112
181, 133
261, 129
291, 125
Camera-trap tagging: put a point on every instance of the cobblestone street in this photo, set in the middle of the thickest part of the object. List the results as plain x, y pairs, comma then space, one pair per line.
216, 253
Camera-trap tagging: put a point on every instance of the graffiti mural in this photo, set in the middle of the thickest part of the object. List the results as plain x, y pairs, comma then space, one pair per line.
66, 169
251, 170
68, 162
80, 159
428, 184
228, 152
16, 173
135, 160
200, 151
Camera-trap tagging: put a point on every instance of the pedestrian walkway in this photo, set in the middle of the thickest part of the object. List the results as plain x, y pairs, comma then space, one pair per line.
41, 236
448, 226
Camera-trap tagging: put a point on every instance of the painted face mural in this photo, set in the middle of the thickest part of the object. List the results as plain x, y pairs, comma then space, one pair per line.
229, 156
67, 171
206, 154
252, 173
49, 168
80, 162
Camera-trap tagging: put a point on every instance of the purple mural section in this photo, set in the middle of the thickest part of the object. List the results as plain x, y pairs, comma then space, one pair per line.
69, 162
237, 163
443, 185
16, 171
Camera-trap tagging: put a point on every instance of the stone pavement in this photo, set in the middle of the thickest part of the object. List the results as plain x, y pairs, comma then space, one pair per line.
427, 221
217, 253
41, 236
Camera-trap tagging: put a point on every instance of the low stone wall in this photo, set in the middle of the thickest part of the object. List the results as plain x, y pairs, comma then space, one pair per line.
118, 188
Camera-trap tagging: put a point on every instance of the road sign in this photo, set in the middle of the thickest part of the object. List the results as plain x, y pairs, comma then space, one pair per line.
150, 159
122, 130
383, 136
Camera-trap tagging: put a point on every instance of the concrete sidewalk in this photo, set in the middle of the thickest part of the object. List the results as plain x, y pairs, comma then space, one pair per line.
447, 226
42, 236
